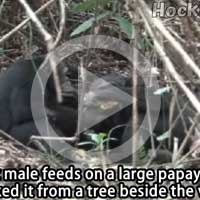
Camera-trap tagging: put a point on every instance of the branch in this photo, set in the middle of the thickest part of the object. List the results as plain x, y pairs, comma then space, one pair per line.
176, 45
169, 65
62, 22
50, 46
23, 23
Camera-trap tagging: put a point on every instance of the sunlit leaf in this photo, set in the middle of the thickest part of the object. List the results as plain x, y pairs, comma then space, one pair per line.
97, 137
163, 136
162, 91
102, 135
94, 137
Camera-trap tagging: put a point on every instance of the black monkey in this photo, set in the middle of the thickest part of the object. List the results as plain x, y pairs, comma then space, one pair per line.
15, 107
14, 101
63, 119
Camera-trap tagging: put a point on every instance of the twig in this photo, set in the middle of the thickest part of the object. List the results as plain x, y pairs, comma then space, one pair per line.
1, 6
184, 143
7, 136
50, 46
62, 21
169, 65
187, 154
82, 91
67, 139
135, 61
23, 23
110, 133
176, 45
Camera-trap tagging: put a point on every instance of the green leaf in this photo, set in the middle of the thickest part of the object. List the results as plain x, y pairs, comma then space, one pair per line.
97, 137
163, 137
142, 153
1, 51
88, 24
146, 43
125, 25
94, 137
89, 4
102, 135
83, 27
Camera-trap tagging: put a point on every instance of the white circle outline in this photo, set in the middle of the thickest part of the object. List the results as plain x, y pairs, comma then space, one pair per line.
84, 43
